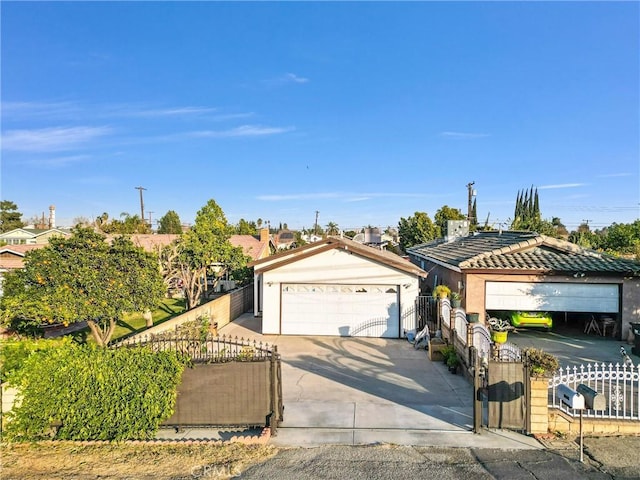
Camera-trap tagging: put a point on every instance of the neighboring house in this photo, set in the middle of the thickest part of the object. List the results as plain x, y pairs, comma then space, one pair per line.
255, 246
526, 271
336, 287
12, 258
150, 242
284, 239
31, 236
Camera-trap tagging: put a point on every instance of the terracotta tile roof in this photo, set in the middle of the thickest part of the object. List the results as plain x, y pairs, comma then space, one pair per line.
251, 246
151, 242
12, 256
522, 251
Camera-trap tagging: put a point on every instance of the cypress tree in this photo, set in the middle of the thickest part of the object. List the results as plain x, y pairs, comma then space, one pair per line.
536, 207
530, 212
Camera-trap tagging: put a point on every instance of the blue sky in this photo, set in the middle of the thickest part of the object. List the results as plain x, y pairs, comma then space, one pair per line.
365, 112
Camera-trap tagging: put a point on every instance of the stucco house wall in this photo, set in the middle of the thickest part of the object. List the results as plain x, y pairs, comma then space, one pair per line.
332, 266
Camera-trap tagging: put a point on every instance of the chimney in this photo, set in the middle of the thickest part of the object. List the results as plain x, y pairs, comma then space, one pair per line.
52, 216
264, 235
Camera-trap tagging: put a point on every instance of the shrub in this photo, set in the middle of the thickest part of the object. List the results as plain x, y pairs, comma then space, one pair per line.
447, 352
453, 360
15, 352
540, 362
84, 392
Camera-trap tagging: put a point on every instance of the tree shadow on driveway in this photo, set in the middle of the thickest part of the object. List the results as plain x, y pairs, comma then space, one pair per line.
373, 371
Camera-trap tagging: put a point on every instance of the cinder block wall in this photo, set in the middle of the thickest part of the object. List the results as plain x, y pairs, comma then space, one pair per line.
561, 422
221, 310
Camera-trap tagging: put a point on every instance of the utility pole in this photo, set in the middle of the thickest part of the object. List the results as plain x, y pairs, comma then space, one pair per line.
471, 194
150, 224
141, 203
315, 228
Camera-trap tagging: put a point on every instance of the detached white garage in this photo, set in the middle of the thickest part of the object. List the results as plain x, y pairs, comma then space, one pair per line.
336, 287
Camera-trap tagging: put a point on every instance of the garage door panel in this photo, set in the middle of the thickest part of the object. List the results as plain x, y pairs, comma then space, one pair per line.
345, 310
553, 297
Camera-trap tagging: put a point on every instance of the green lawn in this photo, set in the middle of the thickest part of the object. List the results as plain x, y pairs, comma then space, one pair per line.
135, 323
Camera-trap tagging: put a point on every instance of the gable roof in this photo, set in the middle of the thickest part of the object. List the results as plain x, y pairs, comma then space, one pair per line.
521, 251
381, 256
32, 232
251, 246
12, 256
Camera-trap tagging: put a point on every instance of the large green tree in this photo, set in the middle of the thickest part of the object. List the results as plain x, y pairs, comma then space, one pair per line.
621, 238
170, 223
82, 278
10, 217
202, 251
443, 215
126, 225
415, 230
245, 227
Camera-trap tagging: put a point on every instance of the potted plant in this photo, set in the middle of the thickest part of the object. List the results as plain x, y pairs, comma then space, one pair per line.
453, 362
499, 329
456, 300
447, 351
441, 291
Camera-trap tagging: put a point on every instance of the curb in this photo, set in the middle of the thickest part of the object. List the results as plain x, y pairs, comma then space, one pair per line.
262, 439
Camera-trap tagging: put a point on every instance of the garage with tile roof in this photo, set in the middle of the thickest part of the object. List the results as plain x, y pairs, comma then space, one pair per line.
526, 271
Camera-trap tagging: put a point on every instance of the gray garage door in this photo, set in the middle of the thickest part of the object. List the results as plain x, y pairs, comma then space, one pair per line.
553, 297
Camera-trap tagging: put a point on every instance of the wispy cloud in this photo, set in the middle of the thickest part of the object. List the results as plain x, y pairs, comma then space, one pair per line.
51, 139
345, 196
39, 109
287, 78
128, 111
358, 199
74, 109
463, 135
562, 185
59, 162
292, 77
242, 131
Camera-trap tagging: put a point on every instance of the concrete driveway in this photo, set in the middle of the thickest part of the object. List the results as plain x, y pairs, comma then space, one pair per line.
351, 391
572, 346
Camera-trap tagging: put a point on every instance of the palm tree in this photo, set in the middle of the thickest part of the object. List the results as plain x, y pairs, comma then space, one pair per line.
332, 228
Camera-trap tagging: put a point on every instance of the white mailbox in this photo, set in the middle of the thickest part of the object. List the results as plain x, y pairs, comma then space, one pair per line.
570, 397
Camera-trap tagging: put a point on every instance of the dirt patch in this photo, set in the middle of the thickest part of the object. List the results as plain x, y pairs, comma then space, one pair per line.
72, 461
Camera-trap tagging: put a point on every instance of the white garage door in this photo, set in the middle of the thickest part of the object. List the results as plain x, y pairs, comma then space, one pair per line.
345, 310
553, 297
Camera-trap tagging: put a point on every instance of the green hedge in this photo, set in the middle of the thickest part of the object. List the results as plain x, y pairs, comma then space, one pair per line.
84, 392
14, 353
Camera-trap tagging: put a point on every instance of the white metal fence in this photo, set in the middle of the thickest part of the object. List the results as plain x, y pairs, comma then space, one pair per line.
619, 384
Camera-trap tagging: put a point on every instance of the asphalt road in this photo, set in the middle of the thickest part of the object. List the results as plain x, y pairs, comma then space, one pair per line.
612, 458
